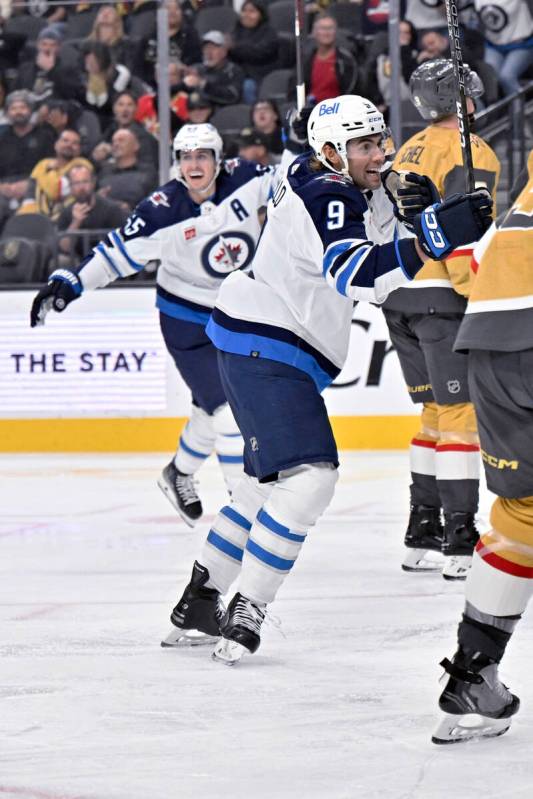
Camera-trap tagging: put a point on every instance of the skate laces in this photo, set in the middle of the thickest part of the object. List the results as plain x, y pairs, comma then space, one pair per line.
249, 615
185, 486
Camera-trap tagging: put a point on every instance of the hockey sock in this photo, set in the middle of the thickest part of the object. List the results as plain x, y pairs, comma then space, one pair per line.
196, 442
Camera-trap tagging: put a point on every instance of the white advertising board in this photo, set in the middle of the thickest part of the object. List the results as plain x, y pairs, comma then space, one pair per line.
104, 356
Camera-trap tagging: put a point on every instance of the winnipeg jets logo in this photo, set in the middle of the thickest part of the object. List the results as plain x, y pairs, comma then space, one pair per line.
159, 198
227, 252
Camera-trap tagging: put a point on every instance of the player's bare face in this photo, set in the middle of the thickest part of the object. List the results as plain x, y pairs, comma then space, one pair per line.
365, 159
198, 169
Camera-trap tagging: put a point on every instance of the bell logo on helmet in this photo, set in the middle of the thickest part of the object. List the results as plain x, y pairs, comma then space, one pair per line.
328, 109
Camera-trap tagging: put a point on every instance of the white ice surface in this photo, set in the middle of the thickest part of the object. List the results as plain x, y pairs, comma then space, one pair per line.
92, 560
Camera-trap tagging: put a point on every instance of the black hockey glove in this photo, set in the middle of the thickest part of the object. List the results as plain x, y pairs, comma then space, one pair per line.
295, 130
409, 193
62, 288
462, 219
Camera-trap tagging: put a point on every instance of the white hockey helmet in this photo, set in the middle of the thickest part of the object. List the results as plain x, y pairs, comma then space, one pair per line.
340, 119
196, 137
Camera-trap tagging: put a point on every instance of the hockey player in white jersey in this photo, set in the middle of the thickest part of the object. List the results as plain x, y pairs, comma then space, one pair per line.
282, 333
199, 227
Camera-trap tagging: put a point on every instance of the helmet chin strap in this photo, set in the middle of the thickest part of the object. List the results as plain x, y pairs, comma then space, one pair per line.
343, 171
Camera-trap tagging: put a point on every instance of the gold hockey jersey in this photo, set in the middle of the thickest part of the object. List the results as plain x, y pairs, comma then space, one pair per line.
442, 286
499, 315
48, 188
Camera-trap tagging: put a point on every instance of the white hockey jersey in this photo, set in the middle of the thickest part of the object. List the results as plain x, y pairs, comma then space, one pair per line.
506, 23
196, 246
325, 244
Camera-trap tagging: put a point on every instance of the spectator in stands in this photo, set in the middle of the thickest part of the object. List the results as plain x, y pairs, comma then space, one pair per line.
329, 70
199, 108
108, 28
22, 145
433, 44
375, 16
147, 105
124, 110
4, 121
265, 119
103, 80
218, 78
53, 12
253, 147
508, 27
254, 46
88, 211
123, 177
11, 45
45, 75
378, 87
49, 186
63, 114
427, 16
184, 43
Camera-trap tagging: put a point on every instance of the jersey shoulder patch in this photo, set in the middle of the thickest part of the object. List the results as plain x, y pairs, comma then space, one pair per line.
165, 206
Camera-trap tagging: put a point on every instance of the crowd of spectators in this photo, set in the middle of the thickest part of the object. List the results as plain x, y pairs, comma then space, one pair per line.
79, 100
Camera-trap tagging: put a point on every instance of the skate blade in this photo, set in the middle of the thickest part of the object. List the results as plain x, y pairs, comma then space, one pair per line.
455, 729
228, 652
167, 491
186, 638
456, 567
416, 560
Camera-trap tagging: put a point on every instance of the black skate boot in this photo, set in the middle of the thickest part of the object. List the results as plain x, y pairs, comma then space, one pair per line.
460, 539
424, 533
180, 491
240, 630
474, 690
198, 614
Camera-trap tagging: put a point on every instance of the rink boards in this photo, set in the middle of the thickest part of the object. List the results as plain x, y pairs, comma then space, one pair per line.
98, 378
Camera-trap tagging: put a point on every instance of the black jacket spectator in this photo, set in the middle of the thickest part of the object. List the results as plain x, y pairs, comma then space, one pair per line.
23, 144
184, 44
219, 80
45, 75
103, 81
255, 46
124, 178
11, 45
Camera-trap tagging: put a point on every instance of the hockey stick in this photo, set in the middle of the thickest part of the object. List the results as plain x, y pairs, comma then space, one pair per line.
459, 72
299, 22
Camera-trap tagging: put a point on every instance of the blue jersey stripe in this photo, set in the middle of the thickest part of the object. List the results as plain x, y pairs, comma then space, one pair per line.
232, 514
191, 451
267, 557
118, 241
225, 546
285, 532
101, 249
260, 347
181, 312
333, 252
348, 272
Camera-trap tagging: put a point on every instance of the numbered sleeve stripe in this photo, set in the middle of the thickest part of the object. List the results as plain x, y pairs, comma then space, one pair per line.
102, 250
349, 273
333, 252
118, 241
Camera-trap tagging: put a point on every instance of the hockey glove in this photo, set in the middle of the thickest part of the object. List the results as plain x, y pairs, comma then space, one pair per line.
295, 130
62, 288
409, 193
462, 219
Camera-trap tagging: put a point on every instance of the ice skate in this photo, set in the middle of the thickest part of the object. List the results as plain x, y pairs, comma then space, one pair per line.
424, 535
240, 630
198, 614
476, 704
460, 538
180, 490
